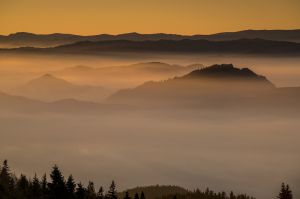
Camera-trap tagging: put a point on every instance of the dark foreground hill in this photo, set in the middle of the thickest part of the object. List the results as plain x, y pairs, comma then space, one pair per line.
174, 192
155, 191
214, 87
23, 39
241, 46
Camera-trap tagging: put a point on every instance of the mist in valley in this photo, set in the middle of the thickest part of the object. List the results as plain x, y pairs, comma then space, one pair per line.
17, 70
249, 151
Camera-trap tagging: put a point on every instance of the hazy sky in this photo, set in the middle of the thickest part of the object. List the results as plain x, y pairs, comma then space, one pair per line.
146, 16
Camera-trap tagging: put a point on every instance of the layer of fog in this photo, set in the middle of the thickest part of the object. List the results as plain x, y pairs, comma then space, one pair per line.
15, 71
252, 154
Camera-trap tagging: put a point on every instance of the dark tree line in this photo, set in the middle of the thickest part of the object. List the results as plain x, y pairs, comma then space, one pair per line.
13, 187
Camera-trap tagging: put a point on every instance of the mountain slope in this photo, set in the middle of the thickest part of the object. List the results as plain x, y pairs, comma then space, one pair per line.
50, 88
217, 86
22, 39
227, 71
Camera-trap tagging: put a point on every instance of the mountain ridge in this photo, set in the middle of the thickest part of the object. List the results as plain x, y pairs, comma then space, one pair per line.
114, 77
241, 46
23, 39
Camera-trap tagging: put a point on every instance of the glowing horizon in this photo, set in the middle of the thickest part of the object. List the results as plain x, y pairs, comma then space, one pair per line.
92, 17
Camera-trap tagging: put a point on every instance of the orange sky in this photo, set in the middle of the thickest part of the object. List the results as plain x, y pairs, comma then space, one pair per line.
89, 17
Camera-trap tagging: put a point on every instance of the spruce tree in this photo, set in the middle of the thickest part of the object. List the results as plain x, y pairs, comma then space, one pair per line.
288, 192
22, 186
126, 195
4, 170
57, 187
285, 192
70, 186
100, 194
231, 195
142, 195
91, 194
6, 181
112, 192
80, 191
35, 188
44, 186
136, 196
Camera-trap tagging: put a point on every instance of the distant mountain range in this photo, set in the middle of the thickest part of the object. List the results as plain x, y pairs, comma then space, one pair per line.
125, 76
215, 87
51, 88
24, 39
143, 68
241, 46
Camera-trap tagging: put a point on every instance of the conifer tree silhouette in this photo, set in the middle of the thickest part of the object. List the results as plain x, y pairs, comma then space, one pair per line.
35, 190
6, 181
142, 195
127, 195
285, 192
91, 194
57, 188
80, 191
112, 192
44, 187
71, 186
136, 196
100, 194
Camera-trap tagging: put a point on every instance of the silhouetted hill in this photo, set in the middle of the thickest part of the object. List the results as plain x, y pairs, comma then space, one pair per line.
217, 86
22, 39
242, 46
227, 71
50, 88
155, 191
